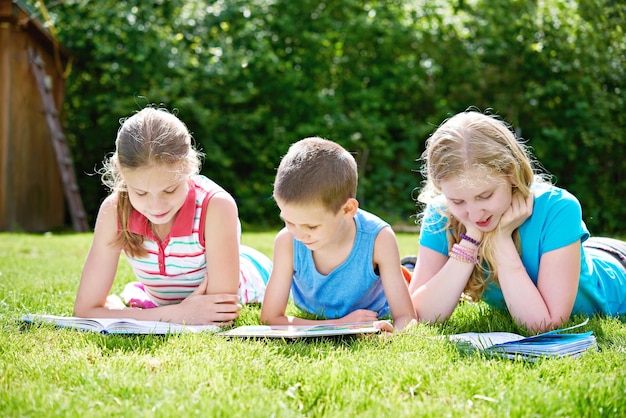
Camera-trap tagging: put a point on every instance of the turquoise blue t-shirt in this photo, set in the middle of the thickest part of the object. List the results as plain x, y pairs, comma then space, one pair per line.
352, 285
556, 222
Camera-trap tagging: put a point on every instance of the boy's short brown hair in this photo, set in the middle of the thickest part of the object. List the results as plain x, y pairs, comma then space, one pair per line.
317, 170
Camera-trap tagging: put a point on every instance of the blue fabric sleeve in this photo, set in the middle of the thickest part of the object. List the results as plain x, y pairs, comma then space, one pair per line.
556, 220
432, 232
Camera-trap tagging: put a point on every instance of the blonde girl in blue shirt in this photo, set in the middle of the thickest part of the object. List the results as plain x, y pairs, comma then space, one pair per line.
495, 230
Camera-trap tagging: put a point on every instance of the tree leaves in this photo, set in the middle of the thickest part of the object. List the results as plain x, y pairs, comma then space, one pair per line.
251, 77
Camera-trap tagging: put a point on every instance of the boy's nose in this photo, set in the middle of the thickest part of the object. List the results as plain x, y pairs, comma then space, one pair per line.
299, 233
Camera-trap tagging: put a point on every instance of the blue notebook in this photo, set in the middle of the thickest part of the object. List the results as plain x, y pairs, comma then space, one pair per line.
554, 343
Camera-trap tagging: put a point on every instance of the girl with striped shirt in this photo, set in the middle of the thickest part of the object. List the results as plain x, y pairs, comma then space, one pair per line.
179, 230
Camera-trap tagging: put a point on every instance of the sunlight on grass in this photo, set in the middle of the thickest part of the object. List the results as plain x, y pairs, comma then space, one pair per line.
51, 372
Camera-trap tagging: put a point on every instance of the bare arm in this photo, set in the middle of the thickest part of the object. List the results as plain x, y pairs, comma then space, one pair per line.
279, 285
437, 284
549, 303
100, 266
222, 245
387, 256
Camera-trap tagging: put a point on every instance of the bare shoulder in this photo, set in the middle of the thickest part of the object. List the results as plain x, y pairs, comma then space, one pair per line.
385, 238
283, 256
222, 196
386, 247
108, 210
386, 234
283, 239
222, 202
107, 225
109, 202
222, 213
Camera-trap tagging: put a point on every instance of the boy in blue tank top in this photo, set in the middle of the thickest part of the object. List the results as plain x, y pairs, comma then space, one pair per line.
340, 263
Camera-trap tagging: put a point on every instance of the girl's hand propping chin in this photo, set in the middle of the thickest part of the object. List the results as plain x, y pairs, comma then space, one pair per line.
521, 208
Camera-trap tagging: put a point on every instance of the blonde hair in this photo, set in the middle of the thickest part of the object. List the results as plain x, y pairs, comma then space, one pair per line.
475, 140
152, 136
316, 170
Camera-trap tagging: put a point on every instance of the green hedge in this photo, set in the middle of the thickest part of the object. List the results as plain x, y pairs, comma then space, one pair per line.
251, 77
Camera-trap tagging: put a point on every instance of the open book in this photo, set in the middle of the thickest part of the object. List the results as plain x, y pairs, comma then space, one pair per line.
550, 344
117, 325
133, 326
300, 331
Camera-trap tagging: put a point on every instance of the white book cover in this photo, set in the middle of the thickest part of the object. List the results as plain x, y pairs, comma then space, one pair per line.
118, 325
301, 331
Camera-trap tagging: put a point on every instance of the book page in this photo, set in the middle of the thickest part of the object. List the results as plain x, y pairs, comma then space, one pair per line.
118, 325
85, 324
483, 340
298, 331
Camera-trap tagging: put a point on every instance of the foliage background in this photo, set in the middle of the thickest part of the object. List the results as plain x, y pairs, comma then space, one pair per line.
251, 77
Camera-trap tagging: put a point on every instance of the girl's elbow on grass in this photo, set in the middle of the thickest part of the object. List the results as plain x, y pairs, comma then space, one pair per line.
80, 311
431, 317
268, 318
263, 318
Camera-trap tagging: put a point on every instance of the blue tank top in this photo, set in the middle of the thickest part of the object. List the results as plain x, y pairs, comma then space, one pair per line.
352, 285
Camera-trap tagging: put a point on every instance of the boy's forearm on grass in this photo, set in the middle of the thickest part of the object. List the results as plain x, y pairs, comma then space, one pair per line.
401, 322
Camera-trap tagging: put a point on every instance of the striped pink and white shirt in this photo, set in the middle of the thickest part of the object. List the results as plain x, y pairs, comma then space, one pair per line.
176, 266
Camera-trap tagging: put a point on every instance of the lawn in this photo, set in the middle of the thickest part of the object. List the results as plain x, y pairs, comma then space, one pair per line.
63, 373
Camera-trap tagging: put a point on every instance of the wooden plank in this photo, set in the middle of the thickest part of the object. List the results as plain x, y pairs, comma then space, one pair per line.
5, 95
61, 149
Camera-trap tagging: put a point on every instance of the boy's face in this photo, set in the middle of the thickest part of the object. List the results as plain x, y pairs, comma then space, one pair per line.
313, 224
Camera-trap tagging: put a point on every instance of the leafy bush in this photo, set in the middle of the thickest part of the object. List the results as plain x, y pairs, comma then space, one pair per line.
251, 77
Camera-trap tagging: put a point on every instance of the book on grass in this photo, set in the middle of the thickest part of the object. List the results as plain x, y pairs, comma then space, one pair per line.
554, 343
117, 325
301, 331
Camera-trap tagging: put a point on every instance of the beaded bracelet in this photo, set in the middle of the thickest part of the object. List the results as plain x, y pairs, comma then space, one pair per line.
462, 259
467, 252
460, 253
470, 240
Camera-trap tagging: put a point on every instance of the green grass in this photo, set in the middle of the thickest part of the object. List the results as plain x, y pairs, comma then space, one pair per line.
62, 373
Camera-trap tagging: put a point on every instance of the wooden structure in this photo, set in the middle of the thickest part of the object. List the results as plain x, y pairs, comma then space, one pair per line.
33, 185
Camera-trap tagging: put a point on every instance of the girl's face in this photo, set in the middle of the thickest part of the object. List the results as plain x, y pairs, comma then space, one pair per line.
313, 224
157, 191
478, 197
